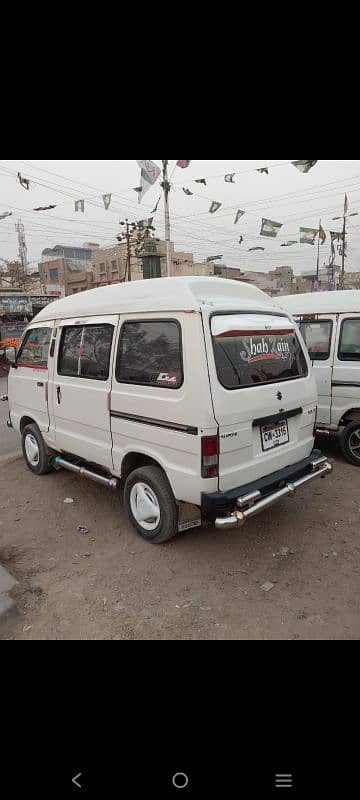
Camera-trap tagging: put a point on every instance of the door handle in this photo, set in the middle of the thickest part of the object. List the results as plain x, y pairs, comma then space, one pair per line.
58, 389
40, 385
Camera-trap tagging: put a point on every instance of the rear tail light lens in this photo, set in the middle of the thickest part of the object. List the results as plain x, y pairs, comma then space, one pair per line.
210, 457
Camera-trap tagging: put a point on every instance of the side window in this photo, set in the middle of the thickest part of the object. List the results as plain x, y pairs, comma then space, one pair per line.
150, 354
85, 351
349, 349
35, 348
317, 337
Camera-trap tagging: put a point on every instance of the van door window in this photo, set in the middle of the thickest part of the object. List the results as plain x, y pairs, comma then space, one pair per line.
317, 337
85, 351
150, 354
349, 349
34, 350
248, 354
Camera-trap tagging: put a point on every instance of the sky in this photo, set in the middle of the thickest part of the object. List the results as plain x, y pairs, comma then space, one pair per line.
285, 195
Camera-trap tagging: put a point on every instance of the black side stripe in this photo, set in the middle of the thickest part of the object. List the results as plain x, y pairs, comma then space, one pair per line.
156, 423
346, 383
277, 417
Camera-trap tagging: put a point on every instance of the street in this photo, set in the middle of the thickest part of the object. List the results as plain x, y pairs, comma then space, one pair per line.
291, 573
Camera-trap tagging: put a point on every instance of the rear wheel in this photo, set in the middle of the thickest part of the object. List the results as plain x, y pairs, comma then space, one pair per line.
350, 443
34, 451
150, 505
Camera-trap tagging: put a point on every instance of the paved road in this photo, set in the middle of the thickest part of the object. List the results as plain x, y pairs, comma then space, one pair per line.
9, 440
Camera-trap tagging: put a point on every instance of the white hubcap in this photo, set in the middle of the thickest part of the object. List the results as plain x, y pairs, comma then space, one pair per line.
145, 506
32, 450
354, 444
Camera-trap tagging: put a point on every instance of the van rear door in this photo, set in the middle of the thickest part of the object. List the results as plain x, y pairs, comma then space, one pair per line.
264, 396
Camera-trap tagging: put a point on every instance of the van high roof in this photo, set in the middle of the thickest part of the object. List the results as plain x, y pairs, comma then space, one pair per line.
322, 303
166, 294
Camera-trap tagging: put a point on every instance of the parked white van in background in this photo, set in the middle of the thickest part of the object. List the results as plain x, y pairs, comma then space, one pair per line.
330, 325
196, 393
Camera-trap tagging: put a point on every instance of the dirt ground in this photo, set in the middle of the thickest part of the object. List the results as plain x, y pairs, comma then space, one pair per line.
109, 584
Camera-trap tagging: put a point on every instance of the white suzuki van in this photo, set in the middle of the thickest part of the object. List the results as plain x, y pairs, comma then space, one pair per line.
195, 393
330, 325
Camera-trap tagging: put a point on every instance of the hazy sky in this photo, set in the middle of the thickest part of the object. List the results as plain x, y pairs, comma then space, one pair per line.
285, 196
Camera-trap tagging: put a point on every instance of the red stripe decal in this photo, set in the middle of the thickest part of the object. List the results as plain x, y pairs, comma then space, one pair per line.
254, 333
31, 366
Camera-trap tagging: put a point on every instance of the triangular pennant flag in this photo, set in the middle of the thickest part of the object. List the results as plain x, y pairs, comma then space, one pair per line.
44, 208
107, 200
238, 216
263, 171
230, 178
157, 206
270, 228
6, 214
187, 191
322, 235
241, 239
24, 182
251, 249
149, 175
304, 166
80, 205
308, 235
213, 258
145, 223
214, 207
289, 244
183, 164
201, 180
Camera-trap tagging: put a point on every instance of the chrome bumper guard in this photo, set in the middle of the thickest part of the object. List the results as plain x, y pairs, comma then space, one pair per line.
250, 505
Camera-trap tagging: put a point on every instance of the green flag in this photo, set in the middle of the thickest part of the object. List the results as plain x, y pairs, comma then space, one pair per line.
214, 207
308, 235
149, 175
270, 228
263, 171
304, 166
239, 214
289, 244
201, 180
230, 178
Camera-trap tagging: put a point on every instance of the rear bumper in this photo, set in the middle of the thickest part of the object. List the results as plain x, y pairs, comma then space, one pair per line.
232, 509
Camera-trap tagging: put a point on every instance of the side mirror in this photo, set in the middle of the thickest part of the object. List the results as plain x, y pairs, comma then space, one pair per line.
10, 355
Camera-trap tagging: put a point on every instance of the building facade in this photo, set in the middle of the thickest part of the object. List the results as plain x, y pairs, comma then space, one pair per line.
60, 264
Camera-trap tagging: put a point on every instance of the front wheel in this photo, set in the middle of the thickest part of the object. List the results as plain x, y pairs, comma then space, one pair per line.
150, 505
350, 443
34, 451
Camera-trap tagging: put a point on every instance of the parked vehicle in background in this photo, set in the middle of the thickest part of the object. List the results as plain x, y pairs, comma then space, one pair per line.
196, 392
330, 325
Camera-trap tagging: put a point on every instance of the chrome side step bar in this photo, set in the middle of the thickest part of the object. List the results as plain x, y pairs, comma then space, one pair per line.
110, 483
238, 518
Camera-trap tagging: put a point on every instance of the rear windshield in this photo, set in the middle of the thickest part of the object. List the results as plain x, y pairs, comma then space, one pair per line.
246, 357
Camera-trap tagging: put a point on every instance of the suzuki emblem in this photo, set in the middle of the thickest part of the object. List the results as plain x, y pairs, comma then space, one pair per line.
279, 396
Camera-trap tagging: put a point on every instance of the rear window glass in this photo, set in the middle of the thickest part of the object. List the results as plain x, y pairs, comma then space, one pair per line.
34, 350
349, 349
150, 354
317, 337
257, 357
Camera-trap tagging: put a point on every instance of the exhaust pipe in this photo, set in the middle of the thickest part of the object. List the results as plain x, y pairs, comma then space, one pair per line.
110, 483
238, 518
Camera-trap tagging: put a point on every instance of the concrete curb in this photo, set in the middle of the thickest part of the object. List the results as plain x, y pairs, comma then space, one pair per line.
7, 604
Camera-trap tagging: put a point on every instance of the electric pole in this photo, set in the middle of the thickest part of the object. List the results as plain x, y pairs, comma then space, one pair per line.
19, 227
343, 249
318, 255
166, 187
128, 237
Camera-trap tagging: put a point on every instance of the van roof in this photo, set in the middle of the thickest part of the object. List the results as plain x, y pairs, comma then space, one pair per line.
322, 302
166, 294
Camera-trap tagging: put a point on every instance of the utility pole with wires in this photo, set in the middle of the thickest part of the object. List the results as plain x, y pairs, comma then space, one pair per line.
19, 227
343, 247
128, 237
318, 255
166, 187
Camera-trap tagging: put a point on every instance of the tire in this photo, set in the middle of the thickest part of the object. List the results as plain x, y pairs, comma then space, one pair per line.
350, 443
149, 485
34, 451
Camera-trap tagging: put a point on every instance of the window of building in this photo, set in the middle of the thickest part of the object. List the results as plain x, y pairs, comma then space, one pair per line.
317, 337
102, 269
85, 351
114, 267
35, 348
54, 275
349, 349
150, 354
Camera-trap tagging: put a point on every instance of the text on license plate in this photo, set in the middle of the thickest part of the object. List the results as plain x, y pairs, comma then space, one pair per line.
274, 434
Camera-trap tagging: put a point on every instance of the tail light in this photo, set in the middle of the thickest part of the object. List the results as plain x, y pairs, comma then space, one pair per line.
210, 456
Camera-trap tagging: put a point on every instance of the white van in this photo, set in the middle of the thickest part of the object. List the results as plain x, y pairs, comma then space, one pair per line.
195, 393
330, 325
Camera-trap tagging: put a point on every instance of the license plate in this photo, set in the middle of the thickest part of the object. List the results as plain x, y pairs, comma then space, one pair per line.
274, 435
